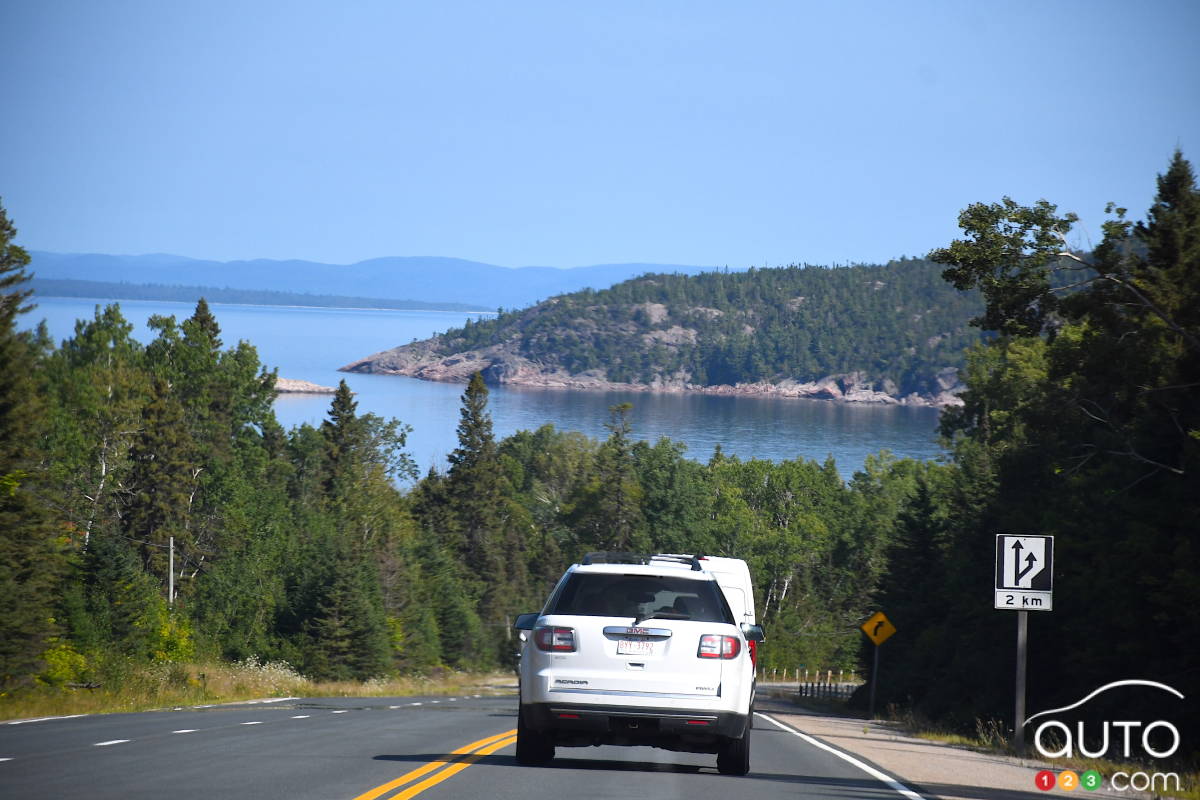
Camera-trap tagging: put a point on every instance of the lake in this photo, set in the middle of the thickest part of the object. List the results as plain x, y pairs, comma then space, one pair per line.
311, 343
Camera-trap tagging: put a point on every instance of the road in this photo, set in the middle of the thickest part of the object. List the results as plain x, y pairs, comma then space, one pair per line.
386, 749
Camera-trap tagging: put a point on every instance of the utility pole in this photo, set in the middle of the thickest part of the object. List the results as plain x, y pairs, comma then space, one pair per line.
171, 573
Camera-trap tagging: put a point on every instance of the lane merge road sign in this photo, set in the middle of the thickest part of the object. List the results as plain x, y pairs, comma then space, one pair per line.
1024, 572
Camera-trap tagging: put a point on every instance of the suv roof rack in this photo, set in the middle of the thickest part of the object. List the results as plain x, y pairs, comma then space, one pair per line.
619, 557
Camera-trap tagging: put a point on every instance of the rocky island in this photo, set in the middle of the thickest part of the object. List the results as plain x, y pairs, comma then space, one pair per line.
293, 386
884, 334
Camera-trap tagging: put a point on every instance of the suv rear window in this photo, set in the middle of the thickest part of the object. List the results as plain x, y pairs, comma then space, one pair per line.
594, 594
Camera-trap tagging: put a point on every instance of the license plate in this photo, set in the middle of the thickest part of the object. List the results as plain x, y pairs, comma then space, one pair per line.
635, 647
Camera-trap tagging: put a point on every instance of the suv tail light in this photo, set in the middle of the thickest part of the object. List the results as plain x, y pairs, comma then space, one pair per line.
716, 646
555, 640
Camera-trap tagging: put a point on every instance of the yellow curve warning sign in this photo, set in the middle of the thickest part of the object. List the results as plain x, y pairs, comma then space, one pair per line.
878, 628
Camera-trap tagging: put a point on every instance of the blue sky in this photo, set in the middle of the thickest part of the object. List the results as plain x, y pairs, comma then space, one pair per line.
571, 133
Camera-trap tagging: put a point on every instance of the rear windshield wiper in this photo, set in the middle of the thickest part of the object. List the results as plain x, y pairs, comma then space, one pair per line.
659, 615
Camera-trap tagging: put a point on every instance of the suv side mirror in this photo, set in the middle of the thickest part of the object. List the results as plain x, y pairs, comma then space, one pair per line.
753, 633
525, 622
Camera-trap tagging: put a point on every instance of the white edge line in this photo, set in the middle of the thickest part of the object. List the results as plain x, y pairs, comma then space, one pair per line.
271, 700
43, 719
111, 741
891, 782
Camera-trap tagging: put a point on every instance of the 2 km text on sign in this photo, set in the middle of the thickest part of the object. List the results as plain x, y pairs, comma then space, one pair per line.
1024, 572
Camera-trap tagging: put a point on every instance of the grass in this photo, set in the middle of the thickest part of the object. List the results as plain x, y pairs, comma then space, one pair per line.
169, 685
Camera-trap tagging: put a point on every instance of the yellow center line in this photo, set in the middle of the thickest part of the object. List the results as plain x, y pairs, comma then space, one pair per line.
450, 772
495, 742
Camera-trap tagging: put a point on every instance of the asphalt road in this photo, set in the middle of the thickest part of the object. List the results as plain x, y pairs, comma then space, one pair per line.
386, 749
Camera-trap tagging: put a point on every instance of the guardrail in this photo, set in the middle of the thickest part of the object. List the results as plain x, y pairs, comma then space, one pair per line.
816, 684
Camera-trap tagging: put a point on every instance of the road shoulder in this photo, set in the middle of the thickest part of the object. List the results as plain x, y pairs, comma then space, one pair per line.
934, 770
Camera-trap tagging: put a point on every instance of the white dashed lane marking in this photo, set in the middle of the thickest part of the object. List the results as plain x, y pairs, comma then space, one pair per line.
121, 741
252, 723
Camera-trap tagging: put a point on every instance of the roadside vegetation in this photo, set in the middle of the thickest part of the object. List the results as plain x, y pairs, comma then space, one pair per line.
1081, 419
146, 687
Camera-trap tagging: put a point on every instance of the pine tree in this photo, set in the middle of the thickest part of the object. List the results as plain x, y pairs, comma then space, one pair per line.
206, 324
121, 602
165, 467
620, 499
474, 487
31, 560
348, 633
343, 435
606, 512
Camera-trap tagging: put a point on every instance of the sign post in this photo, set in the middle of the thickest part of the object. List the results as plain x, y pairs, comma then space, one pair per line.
878, 629
1024, 583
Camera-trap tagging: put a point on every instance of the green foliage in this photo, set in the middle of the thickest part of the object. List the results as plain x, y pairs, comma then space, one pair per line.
1077, 422
897, 324
164, 464
280, 539
63, 664
1009, 253
346, 631
31, 544
298, 545
607, 510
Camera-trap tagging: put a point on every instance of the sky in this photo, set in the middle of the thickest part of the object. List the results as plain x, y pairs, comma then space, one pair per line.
571, 133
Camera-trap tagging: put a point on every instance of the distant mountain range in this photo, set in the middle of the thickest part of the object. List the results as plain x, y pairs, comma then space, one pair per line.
434, 281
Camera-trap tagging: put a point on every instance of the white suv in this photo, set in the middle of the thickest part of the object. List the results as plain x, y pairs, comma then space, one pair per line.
638, 650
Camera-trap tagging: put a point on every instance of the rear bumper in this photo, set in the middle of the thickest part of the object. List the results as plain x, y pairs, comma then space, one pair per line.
580, 724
